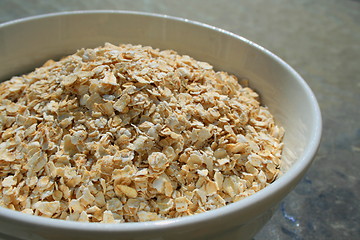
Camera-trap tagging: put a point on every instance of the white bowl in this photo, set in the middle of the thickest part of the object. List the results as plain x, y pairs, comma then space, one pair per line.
27, 43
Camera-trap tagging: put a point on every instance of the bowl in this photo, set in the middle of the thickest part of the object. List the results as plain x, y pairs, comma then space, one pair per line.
27, 43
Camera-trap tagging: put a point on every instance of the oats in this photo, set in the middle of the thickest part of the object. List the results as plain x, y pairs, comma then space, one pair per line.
220, 153
47, 208
100, 199
104, 108
121, 104
109, 79
233, 185
87, 198
181, 204
128, 191
255, 160
262, 177
163, 185
36, 162
219, 178
130, 133
223, 161
147, 216
9, 181
57, 195
158, 161
195, 160
165, 205
68, 80
251, 169
132, 206
236, 148
83, 217
211, 188
69, 147
76, 206
202, 172
108, 217
28, 211
114, 205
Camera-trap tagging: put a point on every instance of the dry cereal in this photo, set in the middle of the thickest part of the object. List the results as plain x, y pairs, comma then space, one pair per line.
130, 133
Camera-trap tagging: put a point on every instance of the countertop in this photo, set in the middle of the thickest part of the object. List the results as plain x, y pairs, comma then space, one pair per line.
321, 40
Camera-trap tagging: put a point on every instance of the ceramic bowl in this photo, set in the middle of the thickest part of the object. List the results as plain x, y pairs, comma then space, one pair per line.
27, 43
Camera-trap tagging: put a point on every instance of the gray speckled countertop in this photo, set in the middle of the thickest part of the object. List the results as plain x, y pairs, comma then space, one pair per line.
321, 40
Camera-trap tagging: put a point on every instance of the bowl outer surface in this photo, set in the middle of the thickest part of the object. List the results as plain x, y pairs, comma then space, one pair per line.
28, 43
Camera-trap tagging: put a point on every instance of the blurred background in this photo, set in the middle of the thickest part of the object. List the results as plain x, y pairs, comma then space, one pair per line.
321, 40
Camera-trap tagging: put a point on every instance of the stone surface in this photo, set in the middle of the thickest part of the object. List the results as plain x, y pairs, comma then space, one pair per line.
320, 39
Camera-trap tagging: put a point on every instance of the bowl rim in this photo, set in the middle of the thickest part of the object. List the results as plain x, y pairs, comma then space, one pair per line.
294, 171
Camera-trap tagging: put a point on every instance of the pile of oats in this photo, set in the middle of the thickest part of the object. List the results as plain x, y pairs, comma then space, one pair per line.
131, 133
